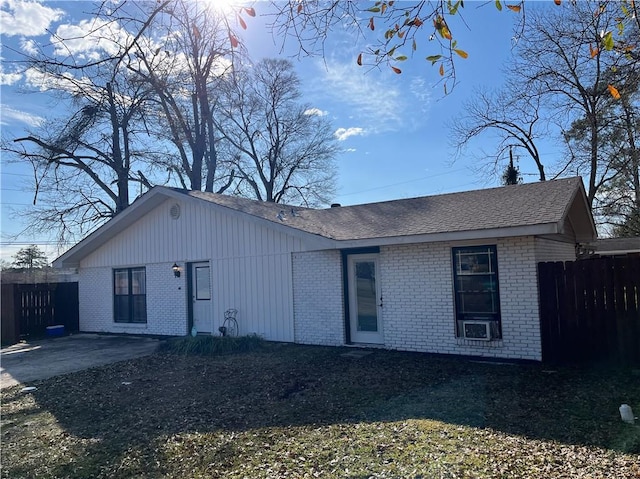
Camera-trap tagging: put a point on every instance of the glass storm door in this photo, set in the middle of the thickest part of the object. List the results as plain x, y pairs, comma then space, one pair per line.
201, 296
365, 299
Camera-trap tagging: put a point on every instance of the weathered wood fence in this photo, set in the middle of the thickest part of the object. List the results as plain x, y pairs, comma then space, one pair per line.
590, 309
27, 309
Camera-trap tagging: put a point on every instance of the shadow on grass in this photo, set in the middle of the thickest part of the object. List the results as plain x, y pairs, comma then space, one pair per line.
124, 409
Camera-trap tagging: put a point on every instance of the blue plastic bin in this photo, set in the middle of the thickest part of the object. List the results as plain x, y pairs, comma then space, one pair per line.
57, 330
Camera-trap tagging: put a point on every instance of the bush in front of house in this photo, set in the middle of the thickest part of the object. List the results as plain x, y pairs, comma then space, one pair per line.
211, 345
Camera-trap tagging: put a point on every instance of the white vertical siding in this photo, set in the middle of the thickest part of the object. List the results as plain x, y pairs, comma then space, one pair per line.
549, 250
201, 232
250, 264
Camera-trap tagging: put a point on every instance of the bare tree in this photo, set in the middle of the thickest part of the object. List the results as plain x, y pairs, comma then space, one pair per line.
514, 117
197, 47
617, 204
83, 159
570, 74
283, 151
552, 64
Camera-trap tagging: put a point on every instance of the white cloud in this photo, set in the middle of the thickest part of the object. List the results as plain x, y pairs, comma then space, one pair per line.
89, 38
9, 78
381, 101
421, 90
369, 97
316, 111
35, 78
28, 46
44, 82
343, 133
10, 115
350, 150
26, 18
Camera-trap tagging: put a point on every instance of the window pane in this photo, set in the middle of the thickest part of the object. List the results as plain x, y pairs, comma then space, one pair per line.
203, 287
474, 262
477, 303
477, 283
121, 309
366, 296
138, 281
121, 281
139, 313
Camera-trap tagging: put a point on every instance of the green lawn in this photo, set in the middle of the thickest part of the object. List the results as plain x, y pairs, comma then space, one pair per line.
296, 411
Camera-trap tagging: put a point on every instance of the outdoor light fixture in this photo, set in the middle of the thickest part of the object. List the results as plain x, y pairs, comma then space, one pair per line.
176, 270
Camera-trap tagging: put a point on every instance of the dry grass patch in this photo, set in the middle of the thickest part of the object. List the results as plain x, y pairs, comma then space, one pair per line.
295, 411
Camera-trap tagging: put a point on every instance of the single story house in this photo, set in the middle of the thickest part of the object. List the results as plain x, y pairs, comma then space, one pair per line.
452, 273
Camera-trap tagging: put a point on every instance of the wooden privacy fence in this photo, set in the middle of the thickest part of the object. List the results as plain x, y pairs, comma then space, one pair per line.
590, 309
27, 309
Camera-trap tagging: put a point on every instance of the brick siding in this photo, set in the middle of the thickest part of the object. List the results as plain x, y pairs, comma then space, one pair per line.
418, 312
318, 302
166, 302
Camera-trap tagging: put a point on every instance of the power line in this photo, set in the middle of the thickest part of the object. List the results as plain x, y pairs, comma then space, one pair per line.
14, 174
401, 183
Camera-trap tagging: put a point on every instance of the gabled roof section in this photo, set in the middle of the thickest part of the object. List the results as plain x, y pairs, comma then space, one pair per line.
557, 207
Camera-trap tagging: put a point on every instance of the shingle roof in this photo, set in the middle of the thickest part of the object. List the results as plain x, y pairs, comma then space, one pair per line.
612, 245
503, 207
550, 207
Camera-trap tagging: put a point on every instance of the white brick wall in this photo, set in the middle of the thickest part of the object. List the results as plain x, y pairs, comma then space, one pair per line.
418, 311
166, 302
318, 302
95, 294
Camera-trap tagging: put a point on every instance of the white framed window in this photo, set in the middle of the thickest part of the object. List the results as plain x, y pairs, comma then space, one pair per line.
477, 295
130, 295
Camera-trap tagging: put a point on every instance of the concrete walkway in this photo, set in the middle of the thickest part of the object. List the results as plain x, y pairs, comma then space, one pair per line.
26, 362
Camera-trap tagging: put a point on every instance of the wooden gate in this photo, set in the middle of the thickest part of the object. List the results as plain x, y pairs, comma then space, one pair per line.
27, 309
590, 309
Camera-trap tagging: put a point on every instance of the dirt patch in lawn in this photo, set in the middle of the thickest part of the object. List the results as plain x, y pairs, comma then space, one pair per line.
295, 411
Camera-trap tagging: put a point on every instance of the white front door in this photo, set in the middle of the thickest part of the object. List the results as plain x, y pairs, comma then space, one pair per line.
201, 297
365, 299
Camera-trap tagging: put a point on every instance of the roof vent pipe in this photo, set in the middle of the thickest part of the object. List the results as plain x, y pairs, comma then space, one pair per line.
336, 205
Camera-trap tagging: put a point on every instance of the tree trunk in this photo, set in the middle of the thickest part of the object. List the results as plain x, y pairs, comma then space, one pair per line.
122, 172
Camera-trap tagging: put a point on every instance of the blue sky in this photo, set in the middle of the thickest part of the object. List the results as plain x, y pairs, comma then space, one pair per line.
393, 128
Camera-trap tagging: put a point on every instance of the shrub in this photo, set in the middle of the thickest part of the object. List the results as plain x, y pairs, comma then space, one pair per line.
211, 345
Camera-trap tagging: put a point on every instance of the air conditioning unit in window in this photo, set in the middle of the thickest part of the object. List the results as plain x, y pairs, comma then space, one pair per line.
476, 330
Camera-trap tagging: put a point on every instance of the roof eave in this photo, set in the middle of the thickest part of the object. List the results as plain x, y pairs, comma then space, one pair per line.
467, 235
